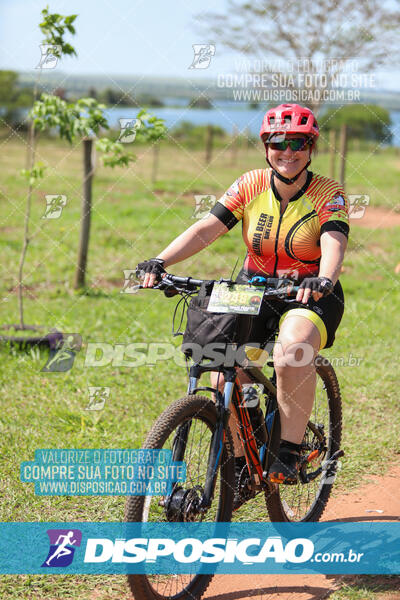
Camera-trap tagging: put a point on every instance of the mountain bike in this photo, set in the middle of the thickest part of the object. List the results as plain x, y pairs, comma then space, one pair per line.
195, 428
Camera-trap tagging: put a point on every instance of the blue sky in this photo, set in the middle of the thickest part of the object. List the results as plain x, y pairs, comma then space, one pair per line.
151, 37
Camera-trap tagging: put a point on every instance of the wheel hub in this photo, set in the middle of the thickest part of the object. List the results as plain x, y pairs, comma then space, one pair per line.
184, 505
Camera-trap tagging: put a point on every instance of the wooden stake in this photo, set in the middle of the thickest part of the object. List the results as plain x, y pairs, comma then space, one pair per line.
343, 154
86, 213
156, 156
209, 143
332, 153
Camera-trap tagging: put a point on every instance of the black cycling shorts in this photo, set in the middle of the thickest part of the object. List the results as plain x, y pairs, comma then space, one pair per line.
326, 314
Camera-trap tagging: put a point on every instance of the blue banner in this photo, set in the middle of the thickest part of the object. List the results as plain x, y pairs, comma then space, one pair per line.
245, 548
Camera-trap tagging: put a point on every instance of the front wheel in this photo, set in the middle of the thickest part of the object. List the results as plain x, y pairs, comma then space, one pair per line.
185, 428
307, 501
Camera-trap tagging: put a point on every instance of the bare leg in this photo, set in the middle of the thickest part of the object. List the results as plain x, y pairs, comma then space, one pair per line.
295, 384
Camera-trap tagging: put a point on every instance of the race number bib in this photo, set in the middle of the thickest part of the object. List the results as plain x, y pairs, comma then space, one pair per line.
237, 298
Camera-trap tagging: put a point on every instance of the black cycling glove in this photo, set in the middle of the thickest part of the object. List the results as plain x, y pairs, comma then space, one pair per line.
318, 284
155, 266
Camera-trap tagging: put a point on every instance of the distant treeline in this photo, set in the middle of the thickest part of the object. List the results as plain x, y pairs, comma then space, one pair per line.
14, 96
364, 122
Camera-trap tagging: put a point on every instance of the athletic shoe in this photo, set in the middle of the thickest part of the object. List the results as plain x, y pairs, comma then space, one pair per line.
285, 468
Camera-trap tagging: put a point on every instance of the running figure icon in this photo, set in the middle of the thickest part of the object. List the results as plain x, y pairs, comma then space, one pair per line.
62, 549
63, 543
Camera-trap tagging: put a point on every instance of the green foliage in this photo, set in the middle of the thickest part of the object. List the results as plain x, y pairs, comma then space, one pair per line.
112, 97
149, 127
54, 27
81, 119
33, 175
85, 118
8, 79
201, 102
364, 121
12, 98
113, 153
149, 100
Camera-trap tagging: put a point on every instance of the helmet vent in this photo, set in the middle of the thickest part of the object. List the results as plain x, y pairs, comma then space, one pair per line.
303, 121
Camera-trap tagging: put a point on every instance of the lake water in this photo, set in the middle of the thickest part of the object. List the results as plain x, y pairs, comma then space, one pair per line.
227, 115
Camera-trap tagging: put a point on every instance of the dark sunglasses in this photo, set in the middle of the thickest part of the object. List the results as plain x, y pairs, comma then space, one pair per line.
295, 144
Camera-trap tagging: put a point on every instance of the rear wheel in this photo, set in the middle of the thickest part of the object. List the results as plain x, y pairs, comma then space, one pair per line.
307, 501
193, 418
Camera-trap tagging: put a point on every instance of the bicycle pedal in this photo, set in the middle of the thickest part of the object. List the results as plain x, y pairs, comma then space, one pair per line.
282, 481
312, 456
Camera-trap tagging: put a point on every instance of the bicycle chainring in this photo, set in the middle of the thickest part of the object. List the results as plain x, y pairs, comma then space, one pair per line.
244, 485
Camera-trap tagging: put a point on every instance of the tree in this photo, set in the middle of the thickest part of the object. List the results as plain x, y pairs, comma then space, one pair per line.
82, 119
85, 119
200, 102
316, 31
12, 98
53, 27
363, 121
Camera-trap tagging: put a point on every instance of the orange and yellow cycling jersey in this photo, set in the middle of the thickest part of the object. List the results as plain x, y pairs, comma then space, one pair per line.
289, 243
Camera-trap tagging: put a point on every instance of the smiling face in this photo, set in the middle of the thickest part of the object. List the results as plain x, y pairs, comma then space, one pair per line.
287, 162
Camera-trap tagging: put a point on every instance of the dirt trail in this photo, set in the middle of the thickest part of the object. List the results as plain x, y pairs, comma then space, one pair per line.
377, 218
381, 494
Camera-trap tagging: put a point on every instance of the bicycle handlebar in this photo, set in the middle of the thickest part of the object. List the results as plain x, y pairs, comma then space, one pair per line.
273, 286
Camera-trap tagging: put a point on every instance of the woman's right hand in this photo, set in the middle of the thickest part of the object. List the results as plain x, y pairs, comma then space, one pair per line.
151, 271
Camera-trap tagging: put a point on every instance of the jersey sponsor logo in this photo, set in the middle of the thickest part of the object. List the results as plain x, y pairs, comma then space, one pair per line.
263, 230
318, 310
337, 203
234, 189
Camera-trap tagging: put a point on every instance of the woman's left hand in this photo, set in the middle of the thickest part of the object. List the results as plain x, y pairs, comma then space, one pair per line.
319, 287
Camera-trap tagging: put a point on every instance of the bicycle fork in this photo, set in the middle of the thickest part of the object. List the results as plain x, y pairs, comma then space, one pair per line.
219, 439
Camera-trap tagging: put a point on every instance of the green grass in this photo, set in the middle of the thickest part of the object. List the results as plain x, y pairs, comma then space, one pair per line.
131, 221
368, 587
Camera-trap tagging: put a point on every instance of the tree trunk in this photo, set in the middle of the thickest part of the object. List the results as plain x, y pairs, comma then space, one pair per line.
86, 214
209, 143
343, 153
235, 144
30, 161
156, 155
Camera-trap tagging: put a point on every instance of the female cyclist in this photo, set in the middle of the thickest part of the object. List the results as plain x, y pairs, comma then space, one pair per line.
295, 224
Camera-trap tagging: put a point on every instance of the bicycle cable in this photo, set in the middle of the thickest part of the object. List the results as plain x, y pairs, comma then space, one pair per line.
185, 306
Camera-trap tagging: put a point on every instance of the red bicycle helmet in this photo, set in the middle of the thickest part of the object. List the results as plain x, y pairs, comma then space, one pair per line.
290, 118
